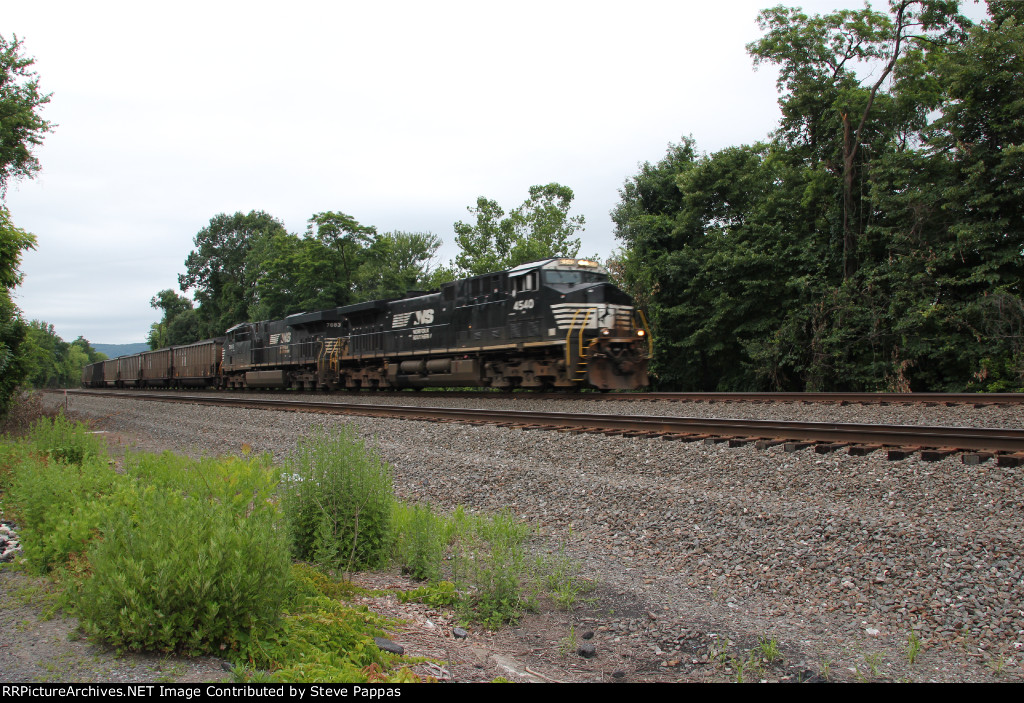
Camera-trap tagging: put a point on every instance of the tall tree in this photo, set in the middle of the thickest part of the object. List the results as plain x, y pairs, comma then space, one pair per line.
743, 254
21, 129
395, 263
218, 268
827, 107
21, 125
540, 228
179, 323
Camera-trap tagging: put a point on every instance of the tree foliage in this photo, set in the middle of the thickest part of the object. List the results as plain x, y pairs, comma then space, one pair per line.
50, 362
540, 228
221, 271
873, 242
21, 126
179, 324
21, 129
249, 267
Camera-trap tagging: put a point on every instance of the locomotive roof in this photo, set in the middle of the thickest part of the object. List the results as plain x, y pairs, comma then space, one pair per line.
564, 263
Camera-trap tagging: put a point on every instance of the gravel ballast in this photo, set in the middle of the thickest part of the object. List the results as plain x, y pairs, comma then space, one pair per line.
840, 559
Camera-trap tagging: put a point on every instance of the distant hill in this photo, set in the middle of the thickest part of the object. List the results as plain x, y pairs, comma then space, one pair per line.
115, 350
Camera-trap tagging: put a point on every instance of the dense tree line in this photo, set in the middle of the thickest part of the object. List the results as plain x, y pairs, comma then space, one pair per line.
249, 267
874, 241
50, 362
21, 129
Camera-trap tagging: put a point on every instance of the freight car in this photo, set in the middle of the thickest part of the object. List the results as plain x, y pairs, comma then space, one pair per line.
557, 323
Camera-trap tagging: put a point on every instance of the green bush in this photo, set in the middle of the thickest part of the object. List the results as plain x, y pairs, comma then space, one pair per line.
65, 441
321, 639
338, 500
483, 556
241, 484
492, 559
59, 506
419, 541
185, 572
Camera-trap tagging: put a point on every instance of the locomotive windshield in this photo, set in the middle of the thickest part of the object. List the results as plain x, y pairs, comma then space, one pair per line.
554, 276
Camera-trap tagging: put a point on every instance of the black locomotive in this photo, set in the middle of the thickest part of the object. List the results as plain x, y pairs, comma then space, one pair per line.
557, 323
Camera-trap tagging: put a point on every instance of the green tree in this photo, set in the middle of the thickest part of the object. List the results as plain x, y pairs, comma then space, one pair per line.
50, 362
179, 323
21, 126
13, 365
21, 129
744, 255
540, 228
395, 263
337, 262
218, 269
827, 107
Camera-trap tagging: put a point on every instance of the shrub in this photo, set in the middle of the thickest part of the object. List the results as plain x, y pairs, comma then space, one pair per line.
338, 501
419, 541
185, 572
321, 639
59, 506
65, 441
491, 555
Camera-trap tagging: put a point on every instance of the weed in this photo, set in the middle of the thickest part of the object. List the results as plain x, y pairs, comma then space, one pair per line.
769, 649
66, 442
751, 664
825, 668
997, 665
562, 579
874, 662
913, 648
567, 645
438, 595
338, 501
419, 541
719, 651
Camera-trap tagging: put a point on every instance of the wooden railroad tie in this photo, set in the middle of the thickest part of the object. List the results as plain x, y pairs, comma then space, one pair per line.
864, 449
937, 454
897, 453
1010, 459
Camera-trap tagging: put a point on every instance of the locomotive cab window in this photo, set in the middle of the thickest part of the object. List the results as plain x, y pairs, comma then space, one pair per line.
526, 282
573, 278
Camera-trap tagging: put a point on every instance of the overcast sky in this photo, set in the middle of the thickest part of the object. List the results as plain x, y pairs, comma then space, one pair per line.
398, 113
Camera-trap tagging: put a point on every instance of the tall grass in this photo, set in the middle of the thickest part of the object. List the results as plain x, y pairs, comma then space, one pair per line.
338, 501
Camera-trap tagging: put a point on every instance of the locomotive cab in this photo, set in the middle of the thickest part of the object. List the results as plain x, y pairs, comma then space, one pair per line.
606, 343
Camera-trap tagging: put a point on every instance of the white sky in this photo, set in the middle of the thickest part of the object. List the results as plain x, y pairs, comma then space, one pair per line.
398, 113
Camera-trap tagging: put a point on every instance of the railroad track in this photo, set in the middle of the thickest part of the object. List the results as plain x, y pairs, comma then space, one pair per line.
975, 444
978, 400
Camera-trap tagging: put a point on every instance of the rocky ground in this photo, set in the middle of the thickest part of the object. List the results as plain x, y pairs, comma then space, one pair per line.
709, 563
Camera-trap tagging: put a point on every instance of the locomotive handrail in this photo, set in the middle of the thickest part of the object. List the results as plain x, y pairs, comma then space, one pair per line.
568, 337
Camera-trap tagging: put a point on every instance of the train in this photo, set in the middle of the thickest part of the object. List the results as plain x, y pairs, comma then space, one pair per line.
551, 324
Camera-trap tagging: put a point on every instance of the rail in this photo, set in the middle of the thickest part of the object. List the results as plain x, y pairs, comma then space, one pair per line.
960, 438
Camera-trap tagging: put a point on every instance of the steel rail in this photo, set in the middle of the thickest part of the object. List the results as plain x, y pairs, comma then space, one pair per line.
787, 397
976, 399
966, 438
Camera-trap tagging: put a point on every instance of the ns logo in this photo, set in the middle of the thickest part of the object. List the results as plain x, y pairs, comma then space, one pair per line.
420, 317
